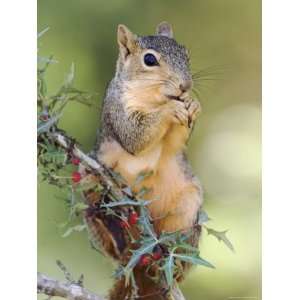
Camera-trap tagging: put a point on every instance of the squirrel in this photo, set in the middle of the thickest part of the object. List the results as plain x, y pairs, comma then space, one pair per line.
147, 118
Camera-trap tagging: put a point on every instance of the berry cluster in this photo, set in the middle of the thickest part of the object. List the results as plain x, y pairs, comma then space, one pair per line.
146, 259
76, 176
130, 221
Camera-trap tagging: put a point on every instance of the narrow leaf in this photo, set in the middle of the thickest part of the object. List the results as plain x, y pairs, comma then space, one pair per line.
188, 247
202, 217
137, 254
142, 176
144, 221
70, 76
77, 228
43, 32
168, 268
221, 236
196, 260
80, 206
44, 127
125, 202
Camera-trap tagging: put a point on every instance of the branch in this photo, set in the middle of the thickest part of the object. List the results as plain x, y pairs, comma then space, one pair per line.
72, 291
177, 294
106, 178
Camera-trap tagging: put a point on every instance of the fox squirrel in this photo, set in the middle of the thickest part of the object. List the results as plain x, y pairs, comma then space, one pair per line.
147, 118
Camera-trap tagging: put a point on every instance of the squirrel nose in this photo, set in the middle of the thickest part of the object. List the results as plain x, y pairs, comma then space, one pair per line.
185, 85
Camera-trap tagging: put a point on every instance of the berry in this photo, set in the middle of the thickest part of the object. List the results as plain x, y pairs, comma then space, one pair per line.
76, 177
124, 224
157, 255
145, 260
44, 118
133, 218
75, 161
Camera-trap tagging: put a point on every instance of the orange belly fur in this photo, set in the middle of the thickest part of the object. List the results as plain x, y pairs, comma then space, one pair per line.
175, 200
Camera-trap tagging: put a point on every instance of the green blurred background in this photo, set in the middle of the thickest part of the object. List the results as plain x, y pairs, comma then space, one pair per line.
225, 146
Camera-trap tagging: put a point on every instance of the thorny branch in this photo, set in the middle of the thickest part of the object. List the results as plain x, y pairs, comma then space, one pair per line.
86, 160
73, 291
69, 290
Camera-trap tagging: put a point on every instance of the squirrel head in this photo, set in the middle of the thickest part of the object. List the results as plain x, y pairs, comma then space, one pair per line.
153, 65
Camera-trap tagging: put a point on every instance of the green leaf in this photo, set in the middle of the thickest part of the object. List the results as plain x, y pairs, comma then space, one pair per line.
137, 254
77, 228
127, 190
188, 247
196, 260
45, 126
221, 236
70, 76
126, 201
144, 221
118, 272
146, 248
168, 268
42, 86
42, 59
142, 192
80, 206
203, 217
142, 176
43, 32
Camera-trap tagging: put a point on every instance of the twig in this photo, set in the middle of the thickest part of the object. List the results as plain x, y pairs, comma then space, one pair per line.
64, 269
177, 294
71, 291
99, 169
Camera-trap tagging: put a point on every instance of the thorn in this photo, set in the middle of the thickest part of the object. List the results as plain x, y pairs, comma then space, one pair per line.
64, 269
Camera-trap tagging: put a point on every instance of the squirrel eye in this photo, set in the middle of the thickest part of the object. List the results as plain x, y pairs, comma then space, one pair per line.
150, 60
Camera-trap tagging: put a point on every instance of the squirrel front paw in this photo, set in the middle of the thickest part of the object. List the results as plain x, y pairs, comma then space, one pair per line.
180, 113
185, 112
193, 107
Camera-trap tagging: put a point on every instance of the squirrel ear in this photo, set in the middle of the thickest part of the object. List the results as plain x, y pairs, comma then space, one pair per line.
164, 29
126, 40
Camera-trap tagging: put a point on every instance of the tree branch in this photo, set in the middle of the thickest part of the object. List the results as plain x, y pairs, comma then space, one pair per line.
177, 294
86, 160
68, 290
73, 291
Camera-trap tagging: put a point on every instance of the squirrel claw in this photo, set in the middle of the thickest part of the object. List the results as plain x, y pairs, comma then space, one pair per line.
193, 110
187, 99
181, 114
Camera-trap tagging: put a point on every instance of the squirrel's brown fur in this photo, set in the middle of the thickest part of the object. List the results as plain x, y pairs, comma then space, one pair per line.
147, 119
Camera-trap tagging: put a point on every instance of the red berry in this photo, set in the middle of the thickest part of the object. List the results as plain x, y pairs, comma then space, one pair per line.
133, 218
145, 260
75, 161
157, 255
44, 118
124, 224
76, 177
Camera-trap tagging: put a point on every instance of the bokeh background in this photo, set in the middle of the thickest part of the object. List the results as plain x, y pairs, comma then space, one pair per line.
225, 146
